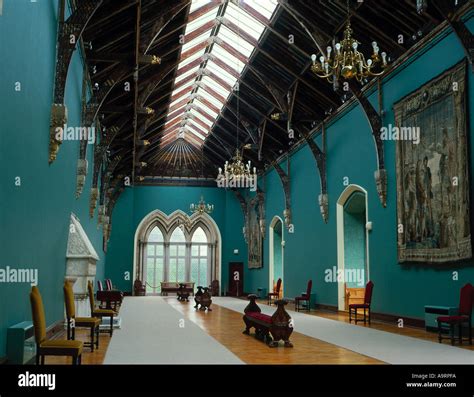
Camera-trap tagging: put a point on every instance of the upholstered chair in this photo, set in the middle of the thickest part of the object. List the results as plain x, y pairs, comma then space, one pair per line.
275, 294
366, 305
305, 297
84, 322
55, 347
463, 317
98, 312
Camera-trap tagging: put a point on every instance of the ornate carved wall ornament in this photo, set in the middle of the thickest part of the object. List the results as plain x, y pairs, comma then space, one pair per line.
93, 201
375, 121
81, 176
69, 33
323, 200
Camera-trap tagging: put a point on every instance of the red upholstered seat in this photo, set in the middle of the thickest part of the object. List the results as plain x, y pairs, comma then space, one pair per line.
302, 298
260, 316
453, 319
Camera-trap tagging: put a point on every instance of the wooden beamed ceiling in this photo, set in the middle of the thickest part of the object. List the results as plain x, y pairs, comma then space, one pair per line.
166, 126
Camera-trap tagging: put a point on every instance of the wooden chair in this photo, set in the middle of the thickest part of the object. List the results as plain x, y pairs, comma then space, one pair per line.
275, 294
73, 322
366, 305
46, 347
305, 297
108, 284
464, 316
100, 313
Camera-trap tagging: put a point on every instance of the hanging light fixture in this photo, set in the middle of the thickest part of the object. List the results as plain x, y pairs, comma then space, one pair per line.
236, 173
201, 207
344, 61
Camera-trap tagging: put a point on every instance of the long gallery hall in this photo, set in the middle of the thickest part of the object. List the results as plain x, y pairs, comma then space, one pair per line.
236, 182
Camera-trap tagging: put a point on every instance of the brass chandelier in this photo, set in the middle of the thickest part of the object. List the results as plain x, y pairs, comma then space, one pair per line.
236, 173
345, 61
202, 207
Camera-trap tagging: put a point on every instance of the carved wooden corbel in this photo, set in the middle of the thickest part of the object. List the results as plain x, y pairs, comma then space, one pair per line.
285, 181
375, 121
243, 205
69, 34
320, 157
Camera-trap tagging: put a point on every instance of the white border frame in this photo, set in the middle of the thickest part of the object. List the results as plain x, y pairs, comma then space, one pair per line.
340, 238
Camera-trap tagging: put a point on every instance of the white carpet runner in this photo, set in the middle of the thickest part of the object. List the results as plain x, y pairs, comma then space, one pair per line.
153, 332
384, 346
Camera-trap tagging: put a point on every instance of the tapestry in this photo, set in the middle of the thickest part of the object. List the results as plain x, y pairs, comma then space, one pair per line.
432, 171
255, 238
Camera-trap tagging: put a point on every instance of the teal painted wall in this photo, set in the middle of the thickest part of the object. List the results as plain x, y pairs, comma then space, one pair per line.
135, 203
354, 247
34, 217
312, 248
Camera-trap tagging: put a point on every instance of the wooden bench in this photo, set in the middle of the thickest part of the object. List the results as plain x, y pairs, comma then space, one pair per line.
167, 287
270, 329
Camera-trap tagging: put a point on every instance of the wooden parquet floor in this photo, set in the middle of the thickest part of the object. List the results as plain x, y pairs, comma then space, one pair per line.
226, 327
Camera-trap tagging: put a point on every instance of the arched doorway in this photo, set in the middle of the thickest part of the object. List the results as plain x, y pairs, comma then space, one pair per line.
276, 251
352, 245
176, 248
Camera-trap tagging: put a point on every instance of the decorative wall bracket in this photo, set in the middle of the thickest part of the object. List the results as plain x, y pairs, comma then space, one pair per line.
69, 34
375, 121
285, 181
320, 157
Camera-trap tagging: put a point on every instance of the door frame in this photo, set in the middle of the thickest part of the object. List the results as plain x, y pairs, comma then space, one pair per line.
348, 191
271, 266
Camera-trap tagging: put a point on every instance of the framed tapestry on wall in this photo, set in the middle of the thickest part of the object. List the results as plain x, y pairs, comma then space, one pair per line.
433, 171
254, 236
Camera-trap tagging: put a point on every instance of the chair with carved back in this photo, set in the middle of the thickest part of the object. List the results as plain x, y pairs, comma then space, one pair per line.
366, 305
275, 294
463, 317
305, 297
108, 284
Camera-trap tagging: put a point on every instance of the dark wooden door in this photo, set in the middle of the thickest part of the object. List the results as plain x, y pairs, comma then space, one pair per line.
236, 278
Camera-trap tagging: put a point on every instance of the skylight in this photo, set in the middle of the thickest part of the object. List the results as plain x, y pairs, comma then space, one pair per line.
208, 70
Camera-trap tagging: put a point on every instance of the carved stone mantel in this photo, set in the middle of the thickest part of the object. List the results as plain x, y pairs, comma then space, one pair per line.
81, 259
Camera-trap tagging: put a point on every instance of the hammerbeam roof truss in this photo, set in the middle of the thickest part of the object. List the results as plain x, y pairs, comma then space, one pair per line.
206, 47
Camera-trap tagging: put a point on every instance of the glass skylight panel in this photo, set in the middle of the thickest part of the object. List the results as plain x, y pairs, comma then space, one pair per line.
235, 41
201, 117
218, 104
207, 110
203, 114
196, 4
192, 58
197, 133
184, 75
199, 127
202, 20
196, 40
216, 87
221, 73
266, 8
228, 58
244, 21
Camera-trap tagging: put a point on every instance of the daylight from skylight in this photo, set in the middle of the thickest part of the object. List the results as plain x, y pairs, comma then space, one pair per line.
216, 48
